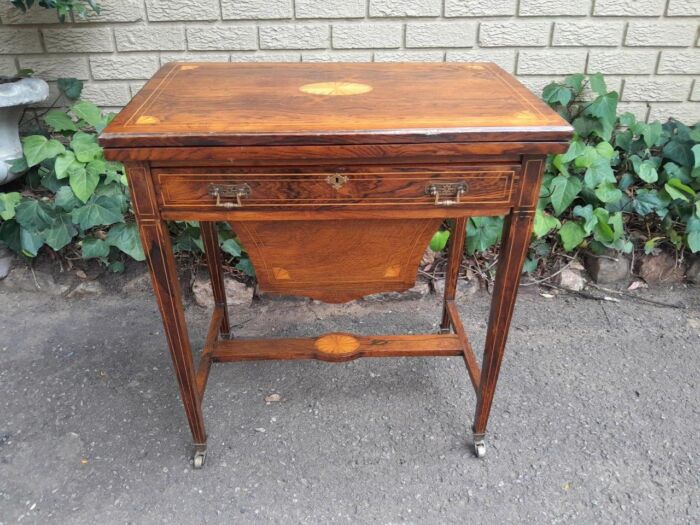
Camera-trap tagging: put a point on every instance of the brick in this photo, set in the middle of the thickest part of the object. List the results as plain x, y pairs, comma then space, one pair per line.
193, 57
107, 93
78, 40
266, 57
367, 35
409, 56
256, 9
629, 7
640, 110
503, 57
597, 34
152, 38
552, 62
336, 56
668, 89
117, 67
661, 34
480, 8
19, 41
520, 33
53, 67
8, 67
330, 8
695, 94
441, 34
554, 7
622, 62
218, 37
683, 8
680, 62
405, 8
688, 112
164, 10
116, 11
36, 15
294, 36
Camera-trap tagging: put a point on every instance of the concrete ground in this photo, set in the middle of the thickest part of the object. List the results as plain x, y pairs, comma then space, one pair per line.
596, 417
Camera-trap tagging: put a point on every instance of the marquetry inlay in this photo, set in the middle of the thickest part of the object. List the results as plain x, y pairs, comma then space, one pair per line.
337, 344
334, 89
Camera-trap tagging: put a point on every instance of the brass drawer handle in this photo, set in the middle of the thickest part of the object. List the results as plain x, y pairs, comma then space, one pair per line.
456, 189
229, 190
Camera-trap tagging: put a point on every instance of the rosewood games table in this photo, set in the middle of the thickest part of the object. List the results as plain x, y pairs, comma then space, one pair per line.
371, 157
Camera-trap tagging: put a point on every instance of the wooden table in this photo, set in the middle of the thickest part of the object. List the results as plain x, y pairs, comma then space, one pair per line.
371, 158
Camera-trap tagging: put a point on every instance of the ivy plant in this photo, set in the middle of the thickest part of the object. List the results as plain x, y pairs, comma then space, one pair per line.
63, 7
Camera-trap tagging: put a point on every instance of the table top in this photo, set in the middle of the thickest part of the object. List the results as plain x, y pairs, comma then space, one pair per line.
227, 104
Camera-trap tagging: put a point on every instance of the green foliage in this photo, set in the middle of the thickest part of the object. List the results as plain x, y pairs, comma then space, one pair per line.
618, 176
63, 7
619, 180
439, 240
75, 199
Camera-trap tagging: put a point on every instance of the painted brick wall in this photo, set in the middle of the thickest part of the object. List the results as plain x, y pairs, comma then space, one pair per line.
649, 50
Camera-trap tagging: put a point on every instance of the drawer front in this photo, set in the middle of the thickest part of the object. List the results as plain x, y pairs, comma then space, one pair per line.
422, 186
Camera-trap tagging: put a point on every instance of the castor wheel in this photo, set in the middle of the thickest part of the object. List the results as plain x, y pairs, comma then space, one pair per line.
480, 448
198, 460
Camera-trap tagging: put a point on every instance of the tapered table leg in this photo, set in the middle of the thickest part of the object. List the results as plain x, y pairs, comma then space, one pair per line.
453, 265
166, 287
210, 237
514, 246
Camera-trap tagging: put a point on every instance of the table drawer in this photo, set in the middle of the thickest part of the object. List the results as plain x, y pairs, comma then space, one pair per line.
434, 185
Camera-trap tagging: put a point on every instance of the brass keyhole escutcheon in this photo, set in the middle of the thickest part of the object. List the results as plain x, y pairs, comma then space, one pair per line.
336, 180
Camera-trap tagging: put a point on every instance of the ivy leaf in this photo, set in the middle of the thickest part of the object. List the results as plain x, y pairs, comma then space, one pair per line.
83, 183
692, 231
586, 213
598, 84
696, 153
571, 234
679, 152
60, 233
59, 121
38, 148
231, 247
647, 171
9, 235
608, 192
575, 81
576, 149
33, 215
94, 248
602, 231
126, 237
439, 240
66, 199
600, 171
8, 203
605, 150
70, 87
677, 190
544, 223
557, 94
605, 108
85, 147
63, 163
564, 191
30, 242
246, 267
98, 211
483, 232
647, 201
90, 113
652, 134
627, 119
587, 158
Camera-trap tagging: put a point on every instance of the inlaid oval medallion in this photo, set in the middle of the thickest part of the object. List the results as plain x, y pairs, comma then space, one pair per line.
334, 89
337, 344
